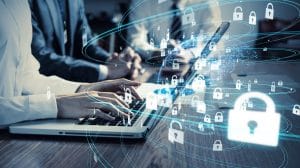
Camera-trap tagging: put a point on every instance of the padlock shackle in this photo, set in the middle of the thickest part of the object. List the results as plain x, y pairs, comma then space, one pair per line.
238, 7
218, 142
201, 77
296, 106
175, 60
253, 13
175, 122
270, 106
127, 90
174, 77
218, 89
219, 114
188, 9
270, 5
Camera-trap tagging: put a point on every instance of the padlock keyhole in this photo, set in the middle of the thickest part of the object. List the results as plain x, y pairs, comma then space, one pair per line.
175, 135
252, 126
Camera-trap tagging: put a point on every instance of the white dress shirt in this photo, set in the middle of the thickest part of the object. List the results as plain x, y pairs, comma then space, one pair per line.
23, 91
151, 21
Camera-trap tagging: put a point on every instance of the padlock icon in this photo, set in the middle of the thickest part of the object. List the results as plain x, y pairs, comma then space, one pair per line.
296, 109
217, 146
195, 100
201, 107
152, 42
128, 96
151, 102
207, 118
273, 87
198, 65
219, 117
174, 134
238, 84
174, 81
188, 16
269, 11
201, 127
252, 18
238, 13
181, 79
218, 94
198, 83
175, 64
280, 83
254, 126
174, 110
212, 46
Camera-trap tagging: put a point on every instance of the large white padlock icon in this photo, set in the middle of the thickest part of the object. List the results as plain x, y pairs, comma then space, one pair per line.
238, 84
207, 118
218, 94
296, 109
128, 96
269, 11
175, 64
217, 146
174, 81
254, 126
151, 102
174, 110
252, 18
174, 134
212, 46
238, 13
219, 117
188, 16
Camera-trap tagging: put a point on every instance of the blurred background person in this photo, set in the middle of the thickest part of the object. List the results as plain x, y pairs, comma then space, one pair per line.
61, 31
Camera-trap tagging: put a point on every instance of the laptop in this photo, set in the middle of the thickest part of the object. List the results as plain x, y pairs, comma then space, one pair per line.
142, 122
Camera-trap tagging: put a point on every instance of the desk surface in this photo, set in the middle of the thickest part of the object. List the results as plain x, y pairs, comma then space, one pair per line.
156, 151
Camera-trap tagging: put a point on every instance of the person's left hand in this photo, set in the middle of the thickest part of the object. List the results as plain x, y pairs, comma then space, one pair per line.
117, 86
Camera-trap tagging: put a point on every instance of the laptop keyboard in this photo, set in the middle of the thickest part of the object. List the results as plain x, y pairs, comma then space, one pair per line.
137, 107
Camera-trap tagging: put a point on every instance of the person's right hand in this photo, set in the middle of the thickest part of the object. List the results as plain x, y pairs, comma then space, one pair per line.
103, 105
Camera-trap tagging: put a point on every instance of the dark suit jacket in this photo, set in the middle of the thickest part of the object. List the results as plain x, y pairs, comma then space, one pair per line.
48, 41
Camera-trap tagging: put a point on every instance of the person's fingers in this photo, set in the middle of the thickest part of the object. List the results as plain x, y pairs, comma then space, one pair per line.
137, 64
113, 96
115, 55
126, 82
115, 111
103, 115
134, 74
135, 93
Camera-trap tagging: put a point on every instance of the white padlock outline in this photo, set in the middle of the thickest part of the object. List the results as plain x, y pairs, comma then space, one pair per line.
220, 91
219, 114
175, 64
173, 79
212, 46
192, 12
268, 8
252, 15
176, 122
219, 143
295, 108
128, 92
235, 13
238, 84
173, 109
207, 116
201, 79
